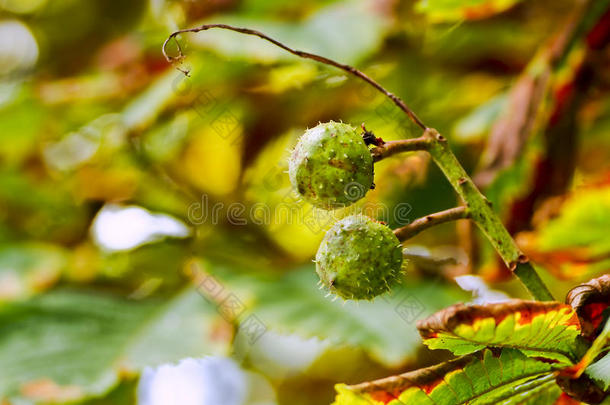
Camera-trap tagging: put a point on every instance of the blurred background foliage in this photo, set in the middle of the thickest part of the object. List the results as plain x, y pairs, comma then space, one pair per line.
127, 187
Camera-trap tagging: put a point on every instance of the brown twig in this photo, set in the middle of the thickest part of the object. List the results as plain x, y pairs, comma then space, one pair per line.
421, 224
347, 68
404, 145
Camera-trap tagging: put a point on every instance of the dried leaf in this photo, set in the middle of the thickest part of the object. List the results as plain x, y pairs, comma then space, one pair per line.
590, 300
538, 329
488, 377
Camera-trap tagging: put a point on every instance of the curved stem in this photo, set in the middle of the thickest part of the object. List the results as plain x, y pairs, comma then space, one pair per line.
421, 224
404, 145
346, 68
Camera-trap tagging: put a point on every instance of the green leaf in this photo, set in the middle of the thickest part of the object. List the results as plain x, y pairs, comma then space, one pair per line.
584, 222
600, 372
454, 10
65, 345
486, 377
538, 329
294, 304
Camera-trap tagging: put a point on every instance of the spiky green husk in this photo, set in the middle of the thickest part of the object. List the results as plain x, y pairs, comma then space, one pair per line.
331, 166
359, 258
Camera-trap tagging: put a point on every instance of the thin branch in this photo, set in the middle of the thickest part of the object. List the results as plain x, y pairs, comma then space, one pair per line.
421, 224
404, 145
346, 68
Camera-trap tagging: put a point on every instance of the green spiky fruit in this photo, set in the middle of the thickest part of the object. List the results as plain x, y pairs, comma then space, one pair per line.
331, 166
359, 258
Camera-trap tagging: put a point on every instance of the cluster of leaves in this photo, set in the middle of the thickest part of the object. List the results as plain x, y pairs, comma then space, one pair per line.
515, 352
